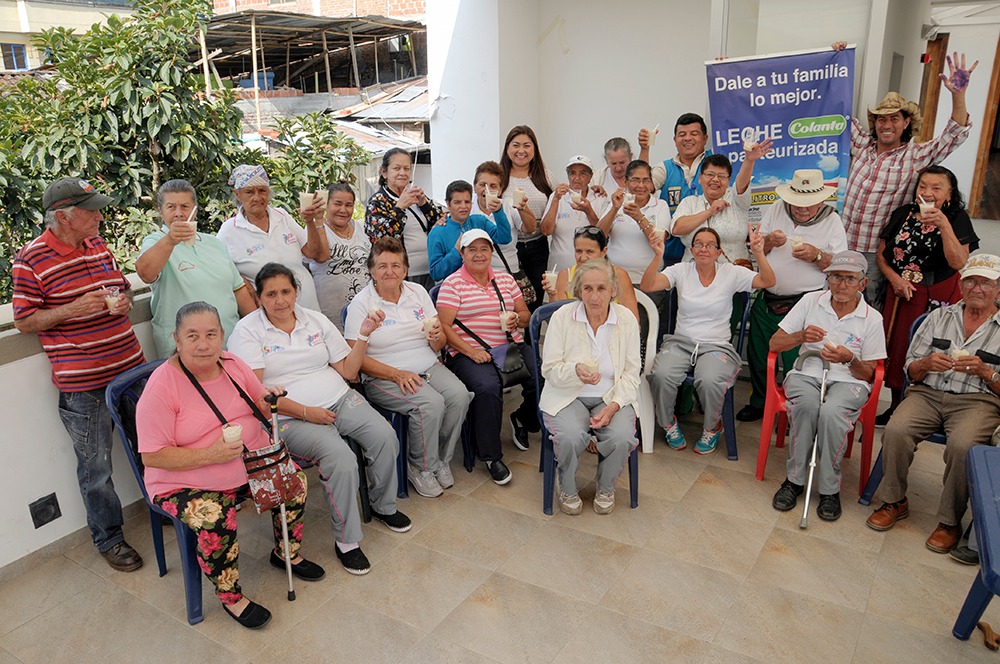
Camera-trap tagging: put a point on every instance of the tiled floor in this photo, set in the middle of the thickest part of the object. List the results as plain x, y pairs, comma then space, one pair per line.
703, 571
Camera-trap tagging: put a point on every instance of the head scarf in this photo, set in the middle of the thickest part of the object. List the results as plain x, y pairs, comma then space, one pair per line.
245, 175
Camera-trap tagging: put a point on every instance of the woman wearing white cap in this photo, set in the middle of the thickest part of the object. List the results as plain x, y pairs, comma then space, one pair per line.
479, 310
260, 233
570, 206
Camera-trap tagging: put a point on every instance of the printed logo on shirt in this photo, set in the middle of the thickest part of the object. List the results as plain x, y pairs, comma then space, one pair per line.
255, 248
419, 314
673, 196
289, 238
274, 348
184, 266
314, 339
854, 342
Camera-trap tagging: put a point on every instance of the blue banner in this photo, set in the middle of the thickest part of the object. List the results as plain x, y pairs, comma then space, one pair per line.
802, 101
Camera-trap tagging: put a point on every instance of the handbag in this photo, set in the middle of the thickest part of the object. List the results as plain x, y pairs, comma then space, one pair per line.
523, 282
271, 473
507, 358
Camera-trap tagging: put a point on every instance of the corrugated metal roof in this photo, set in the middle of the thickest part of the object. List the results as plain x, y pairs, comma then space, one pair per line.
405, 101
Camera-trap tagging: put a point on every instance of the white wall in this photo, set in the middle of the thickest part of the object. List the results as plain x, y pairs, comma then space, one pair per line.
519, 65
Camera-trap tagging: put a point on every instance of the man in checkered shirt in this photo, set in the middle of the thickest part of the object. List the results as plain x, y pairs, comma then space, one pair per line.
885, 161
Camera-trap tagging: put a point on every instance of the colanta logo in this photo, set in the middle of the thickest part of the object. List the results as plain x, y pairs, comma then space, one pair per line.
823, 125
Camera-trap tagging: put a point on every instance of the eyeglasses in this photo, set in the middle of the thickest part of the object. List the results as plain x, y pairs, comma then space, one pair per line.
985, 285
715, 176
841, 279
590, 231
635, 181
711, 246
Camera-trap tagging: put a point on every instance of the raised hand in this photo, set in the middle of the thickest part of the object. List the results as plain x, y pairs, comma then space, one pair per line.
958, 76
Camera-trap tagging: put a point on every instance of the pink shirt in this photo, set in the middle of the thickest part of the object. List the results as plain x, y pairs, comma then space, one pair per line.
171, 412
477, 306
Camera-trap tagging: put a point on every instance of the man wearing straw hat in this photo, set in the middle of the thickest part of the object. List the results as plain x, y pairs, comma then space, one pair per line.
801, 235
885, 160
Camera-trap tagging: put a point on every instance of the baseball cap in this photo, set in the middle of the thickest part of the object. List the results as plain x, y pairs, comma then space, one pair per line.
848, 261
468, 237
582, 160
73, 192
982, 265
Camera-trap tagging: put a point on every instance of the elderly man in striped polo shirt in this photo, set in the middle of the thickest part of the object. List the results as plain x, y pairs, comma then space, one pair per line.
69, 291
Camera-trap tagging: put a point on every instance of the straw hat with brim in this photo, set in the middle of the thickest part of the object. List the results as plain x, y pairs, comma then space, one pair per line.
807, 189
894, 103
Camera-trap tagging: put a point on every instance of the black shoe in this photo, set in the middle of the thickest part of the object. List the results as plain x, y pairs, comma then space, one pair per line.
520, 432
499, 471
964, 555
122, 557
254, 616
305, 570
883, 419
397, 521
354, 561
786, 496
750, 413
829, 507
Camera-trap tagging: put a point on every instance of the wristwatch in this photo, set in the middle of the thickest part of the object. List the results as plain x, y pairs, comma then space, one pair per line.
994, 379
819, 257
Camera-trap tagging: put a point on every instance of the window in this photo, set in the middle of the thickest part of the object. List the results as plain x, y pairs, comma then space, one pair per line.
15, 56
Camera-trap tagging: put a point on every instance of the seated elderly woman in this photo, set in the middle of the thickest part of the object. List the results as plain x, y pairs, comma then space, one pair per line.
705, 292
287, 344
478, 301
590, 243
192, 472
260, 233
401, 369
590, 361
182, 265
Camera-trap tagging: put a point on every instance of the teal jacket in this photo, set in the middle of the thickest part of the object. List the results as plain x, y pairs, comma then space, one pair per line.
441, 252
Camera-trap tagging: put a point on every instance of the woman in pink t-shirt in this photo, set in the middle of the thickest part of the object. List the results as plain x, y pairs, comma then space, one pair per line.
192, 472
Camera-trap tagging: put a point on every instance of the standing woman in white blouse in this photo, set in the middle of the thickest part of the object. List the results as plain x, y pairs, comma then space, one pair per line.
527, 184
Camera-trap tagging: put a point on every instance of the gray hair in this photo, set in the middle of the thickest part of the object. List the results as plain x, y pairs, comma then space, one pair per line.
175, 187
50, 219
602, 265
192, 309
617, 143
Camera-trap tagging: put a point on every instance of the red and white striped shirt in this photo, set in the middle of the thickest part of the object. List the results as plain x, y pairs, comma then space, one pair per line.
477, 306
89, 351
877, 184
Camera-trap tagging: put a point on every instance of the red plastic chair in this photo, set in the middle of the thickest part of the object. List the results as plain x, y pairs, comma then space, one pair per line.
774, 405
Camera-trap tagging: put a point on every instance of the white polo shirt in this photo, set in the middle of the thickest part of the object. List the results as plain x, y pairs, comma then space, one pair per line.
730, 224
703, 312
400, 340
300, 361
561, 250
251, 249
628, 247
860, 330
793, 275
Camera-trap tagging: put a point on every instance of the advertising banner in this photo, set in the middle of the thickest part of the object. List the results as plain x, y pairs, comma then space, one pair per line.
802, 101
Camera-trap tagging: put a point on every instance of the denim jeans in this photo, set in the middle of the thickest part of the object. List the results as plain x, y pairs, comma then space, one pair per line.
88, 422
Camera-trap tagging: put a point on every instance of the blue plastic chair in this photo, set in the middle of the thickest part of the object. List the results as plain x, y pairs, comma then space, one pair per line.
878, 471
121, 397
983, 467
547, 461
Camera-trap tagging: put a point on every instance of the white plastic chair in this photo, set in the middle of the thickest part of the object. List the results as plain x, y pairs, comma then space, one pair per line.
644, 403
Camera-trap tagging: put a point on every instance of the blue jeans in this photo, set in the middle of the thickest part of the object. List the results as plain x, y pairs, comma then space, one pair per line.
88, 422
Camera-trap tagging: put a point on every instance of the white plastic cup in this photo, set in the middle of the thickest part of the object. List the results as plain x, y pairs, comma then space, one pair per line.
324, 195
491, 198
374, 308
429, 324
507, 318
576, 196
111, 298
232, 433
797, 240
305, 200
659, 234
627, 198
591, 365
550, 277
193, 225
959, 352
925, 208
519, 197
652, 134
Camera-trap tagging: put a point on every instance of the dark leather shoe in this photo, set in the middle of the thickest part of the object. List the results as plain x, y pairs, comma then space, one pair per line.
886, 516
829, 507
965, 555
786, 496
254, 616
305, 570
122, 557
944, 538
749, 413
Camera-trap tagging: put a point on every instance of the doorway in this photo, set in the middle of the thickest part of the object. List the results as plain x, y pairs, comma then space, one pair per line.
984, 196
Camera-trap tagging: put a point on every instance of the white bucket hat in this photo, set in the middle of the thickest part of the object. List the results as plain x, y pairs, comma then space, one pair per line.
807, 189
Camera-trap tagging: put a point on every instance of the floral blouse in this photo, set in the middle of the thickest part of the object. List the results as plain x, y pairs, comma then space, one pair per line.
382, 217
918, 249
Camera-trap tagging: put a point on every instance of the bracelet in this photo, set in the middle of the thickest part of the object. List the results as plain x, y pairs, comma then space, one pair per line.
303, 411
363, 337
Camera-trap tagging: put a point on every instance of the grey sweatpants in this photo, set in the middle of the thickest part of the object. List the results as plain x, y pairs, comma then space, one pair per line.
830, 424
716, 367
435, 413
323, 445
570, 429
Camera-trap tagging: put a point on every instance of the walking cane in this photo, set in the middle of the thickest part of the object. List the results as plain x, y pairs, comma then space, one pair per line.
272, 400
812, 462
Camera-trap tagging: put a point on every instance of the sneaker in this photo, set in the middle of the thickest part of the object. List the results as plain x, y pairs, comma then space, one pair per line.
424, 482
604, 502
750, 413
883, 419
829, 507
570, 504
965, 555
396, 522
708, 442
520, 432
786, 496
444, 477
675, 439
122, 557
499, 471
354, 561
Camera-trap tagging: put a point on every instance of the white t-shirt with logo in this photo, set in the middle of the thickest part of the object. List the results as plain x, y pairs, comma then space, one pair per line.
340, 277
628, 247
400, 340
561, 250
703, 312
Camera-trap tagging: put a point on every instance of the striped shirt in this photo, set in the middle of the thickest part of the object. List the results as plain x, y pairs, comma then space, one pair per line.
477, 306
944, 331
86, 352
877, 184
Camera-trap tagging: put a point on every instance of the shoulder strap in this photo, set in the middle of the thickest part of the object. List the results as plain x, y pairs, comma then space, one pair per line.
211, 404
472, 334
503, 259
